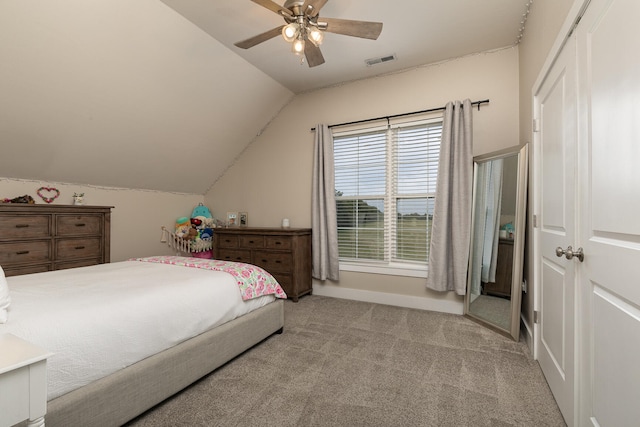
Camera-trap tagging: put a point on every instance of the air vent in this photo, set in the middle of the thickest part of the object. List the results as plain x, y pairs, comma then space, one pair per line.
375, 61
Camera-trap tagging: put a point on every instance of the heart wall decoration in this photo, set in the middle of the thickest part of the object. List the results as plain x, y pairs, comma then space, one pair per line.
48, 194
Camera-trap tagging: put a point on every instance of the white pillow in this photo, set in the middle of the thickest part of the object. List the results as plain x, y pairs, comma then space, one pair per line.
5, 300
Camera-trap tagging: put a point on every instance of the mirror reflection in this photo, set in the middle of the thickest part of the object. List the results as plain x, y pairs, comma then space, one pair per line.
495, 263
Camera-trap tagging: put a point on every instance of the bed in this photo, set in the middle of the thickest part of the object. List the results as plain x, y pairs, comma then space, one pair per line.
127, 335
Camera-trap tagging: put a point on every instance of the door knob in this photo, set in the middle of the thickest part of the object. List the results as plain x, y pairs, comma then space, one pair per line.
569, 253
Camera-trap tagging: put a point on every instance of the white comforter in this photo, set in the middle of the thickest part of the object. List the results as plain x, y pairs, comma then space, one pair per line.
100, 319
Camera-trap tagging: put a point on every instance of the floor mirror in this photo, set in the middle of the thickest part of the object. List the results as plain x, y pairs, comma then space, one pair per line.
494, 277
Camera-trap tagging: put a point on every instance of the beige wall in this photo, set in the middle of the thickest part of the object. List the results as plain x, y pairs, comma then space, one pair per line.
545, 20
272, 178
542, 27
132, 83
136, 217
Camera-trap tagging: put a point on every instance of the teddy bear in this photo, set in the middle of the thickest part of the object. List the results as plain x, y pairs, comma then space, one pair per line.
209, 223
191, 234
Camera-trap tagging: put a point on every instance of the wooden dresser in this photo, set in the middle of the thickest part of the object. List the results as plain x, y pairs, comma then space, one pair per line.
37, 238
504, 270
283, 252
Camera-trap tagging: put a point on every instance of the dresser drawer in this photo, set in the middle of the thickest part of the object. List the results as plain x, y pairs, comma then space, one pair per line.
273, 262
78, 225
24, 227
68, 249
76, 264
25, 252
30, 269
226, 241
278, 242
234, 255
251, 241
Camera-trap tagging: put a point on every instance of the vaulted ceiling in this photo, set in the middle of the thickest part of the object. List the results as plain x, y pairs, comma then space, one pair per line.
154, 95
417, 32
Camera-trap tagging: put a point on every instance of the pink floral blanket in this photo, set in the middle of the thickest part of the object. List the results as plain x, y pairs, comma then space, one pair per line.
253, 281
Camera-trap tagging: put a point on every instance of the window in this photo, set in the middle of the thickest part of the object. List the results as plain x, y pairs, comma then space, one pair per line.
385, 193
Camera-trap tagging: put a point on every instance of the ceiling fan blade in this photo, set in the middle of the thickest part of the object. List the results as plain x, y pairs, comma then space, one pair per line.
274, 7
363, 29
313, 54
246, 44
315, 5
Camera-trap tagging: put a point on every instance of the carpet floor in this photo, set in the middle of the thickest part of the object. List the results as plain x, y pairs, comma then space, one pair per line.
495, 310
350, 363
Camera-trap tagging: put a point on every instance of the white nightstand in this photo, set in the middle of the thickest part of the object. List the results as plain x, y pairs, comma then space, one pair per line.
23, 381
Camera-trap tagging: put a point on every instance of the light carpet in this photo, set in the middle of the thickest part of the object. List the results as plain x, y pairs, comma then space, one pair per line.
350, 363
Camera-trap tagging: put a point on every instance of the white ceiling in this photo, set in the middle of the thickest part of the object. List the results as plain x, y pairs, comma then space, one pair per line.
418, 32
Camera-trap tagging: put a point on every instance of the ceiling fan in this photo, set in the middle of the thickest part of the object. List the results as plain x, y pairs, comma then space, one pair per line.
305, 29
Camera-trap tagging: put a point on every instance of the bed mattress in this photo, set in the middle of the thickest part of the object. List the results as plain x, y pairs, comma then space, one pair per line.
100, 319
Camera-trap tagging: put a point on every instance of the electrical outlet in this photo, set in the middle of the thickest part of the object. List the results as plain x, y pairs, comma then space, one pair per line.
524, 286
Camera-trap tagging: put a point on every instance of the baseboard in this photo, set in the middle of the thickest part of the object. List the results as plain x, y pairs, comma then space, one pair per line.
431, 304
526, 334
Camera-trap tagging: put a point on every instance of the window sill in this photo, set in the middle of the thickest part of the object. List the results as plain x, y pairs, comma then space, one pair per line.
406, 270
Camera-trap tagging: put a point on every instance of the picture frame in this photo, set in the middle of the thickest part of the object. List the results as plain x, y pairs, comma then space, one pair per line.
232, 219
243, 219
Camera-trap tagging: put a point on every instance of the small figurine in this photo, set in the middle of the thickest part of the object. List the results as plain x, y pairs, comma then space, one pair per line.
78, 198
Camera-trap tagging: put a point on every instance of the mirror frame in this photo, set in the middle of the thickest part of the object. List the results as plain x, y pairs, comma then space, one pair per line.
518, 244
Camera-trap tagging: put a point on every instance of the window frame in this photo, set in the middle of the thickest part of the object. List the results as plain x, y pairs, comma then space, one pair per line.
390, 265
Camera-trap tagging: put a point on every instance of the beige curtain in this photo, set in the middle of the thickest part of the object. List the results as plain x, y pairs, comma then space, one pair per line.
323, 216
451, 229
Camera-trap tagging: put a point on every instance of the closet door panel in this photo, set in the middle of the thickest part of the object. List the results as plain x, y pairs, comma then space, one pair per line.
556, 110
609, 210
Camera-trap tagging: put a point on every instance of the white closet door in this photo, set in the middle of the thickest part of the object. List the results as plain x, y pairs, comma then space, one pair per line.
556, 139
609, 175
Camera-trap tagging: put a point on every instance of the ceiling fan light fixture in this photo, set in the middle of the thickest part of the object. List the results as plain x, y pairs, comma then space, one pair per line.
290, 32
297, 46
316, 36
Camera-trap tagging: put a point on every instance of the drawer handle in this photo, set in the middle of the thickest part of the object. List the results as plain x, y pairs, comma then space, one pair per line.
239, 258
278, 243
250, 241
228, 241
81, 224
278, 262
22, 225
22, 252
264, 260
79, 247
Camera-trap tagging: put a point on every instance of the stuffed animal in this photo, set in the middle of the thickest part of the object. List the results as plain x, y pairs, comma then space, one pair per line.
182, 226
201, 210
209, 223
203, 222
206, 233
192, 234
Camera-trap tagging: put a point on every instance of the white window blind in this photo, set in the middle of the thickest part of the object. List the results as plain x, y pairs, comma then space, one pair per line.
385, 192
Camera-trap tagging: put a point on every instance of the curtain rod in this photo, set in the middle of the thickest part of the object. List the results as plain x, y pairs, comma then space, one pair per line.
478, 103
